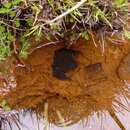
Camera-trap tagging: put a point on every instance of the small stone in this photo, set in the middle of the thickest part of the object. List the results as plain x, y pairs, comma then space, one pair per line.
94, 73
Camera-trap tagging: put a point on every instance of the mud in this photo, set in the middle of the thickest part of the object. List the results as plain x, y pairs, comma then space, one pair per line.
68, 63
96, 79
124, 68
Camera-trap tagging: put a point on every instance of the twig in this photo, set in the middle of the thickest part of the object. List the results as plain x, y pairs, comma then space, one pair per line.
2, 22
44, 45
66, 13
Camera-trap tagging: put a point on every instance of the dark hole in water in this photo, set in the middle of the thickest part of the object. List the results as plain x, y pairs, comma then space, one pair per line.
63, 62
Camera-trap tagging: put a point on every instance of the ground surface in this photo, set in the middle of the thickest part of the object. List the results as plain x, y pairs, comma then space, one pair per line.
92, 84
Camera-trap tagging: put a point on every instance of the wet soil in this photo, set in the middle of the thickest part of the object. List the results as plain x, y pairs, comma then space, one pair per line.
68, 63
74, 84
124, 68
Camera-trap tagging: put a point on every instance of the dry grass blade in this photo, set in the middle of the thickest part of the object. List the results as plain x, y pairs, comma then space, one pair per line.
44, 45
46, 116
116, 119
61, 118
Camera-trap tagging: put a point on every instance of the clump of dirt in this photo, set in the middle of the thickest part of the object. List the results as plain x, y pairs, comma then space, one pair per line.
95, 72
92, 88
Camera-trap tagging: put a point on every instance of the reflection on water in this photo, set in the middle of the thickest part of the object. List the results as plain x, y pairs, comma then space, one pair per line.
103, 123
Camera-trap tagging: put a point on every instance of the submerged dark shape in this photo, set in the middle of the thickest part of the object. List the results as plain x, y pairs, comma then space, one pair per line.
63, 62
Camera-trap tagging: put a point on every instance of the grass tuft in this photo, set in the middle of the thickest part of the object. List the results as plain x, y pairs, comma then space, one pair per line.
22, 19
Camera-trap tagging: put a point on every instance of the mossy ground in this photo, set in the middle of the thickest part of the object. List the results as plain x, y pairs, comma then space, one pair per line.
66, 19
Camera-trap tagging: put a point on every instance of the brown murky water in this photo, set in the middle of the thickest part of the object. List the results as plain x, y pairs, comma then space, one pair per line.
55, 88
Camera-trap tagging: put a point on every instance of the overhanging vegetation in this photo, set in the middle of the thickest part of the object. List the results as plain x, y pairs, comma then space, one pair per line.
54, 19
